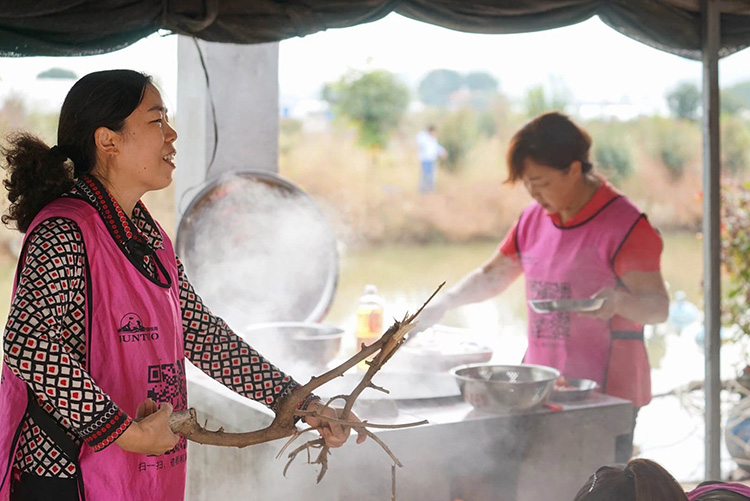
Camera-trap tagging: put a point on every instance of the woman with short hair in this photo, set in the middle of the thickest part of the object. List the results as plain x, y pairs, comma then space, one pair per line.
580, 238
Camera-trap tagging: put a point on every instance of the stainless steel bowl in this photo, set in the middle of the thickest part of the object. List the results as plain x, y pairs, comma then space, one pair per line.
574, 391
295, 343
505, 388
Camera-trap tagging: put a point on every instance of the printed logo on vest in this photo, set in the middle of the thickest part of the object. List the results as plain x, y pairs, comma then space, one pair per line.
550, 325
132, 330
166, 383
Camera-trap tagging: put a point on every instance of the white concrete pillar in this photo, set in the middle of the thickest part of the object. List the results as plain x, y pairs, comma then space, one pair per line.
243, 82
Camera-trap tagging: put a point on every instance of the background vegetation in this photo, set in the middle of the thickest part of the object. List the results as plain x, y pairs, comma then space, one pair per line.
655, 160
359, 160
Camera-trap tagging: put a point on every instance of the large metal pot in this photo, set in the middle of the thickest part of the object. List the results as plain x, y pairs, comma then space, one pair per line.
257, 249
289, 344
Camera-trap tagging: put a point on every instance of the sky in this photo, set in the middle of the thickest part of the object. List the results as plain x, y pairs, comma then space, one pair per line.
594, 62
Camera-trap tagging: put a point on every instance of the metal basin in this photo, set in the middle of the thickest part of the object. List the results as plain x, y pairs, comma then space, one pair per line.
574, 390
505, 388
295, 343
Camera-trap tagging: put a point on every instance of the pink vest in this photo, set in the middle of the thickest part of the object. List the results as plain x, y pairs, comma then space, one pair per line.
576, 262
732, 487
135, 351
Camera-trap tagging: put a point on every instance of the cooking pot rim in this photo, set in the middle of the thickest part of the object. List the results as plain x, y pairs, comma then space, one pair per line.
333, 330
457, 371
327, 290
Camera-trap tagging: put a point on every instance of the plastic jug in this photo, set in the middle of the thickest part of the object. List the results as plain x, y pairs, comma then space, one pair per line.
369, 319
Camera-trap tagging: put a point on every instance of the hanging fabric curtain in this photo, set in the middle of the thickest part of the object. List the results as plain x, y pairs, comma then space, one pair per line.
83, 27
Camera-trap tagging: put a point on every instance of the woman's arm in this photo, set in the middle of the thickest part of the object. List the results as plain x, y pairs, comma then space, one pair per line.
214, 348
645, 301
219, 352
484, 282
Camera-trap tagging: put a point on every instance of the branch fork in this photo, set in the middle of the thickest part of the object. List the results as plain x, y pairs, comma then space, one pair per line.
283, 425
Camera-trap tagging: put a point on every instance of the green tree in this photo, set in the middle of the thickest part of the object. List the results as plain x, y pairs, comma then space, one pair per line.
735, 144
374, 101
436, 87
611, 150
613, 157
535, 101
736, 98
538, 100
735, 242
483, 89
458, 133
684, 101
60, 73
673, 142
481, 81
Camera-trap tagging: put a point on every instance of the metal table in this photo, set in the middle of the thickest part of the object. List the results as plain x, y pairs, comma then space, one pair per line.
461, 454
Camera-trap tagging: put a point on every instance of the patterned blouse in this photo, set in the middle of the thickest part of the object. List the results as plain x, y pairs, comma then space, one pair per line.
46, 323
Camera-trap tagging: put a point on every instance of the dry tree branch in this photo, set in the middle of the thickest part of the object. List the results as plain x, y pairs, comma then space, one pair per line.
691, 386
283, 425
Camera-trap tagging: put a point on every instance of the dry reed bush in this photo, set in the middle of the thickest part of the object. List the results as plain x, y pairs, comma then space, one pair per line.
376, 197
373, 197
671, 204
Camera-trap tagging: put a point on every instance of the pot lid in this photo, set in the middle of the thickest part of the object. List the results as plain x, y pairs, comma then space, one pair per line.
258, 249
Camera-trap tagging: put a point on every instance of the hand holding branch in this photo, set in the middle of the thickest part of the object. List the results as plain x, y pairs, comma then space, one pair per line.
333, 424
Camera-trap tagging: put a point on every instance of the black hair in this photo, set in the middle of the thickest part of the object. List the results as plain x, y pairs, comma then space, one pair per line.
551, 139
38, 174
640, 480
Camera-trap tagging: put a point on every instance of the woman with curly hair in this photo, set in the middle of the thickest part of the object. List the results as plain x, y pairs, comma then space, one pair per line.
103, 315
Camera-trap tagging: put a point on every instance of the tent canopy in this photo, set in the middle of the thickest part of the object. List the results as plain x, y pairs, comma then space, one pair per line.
697, 29
85, 27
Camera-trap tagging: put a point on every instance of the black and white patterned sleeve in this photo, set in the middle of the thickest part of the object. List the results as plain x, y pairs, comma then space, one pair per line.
215, 349
45, 339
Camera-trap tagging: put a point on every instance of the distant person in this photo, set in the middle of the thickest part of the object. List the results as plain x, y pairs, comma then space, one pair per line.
429, 152
580, 238
639, 480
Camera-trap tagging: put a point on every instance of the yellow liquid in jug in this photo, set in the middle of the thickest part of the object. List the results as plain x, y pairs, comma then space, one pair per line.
369, 327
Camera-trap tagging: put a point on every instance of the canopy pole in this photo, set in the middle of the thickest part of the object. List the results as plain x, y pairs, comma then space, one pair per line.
710, 10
